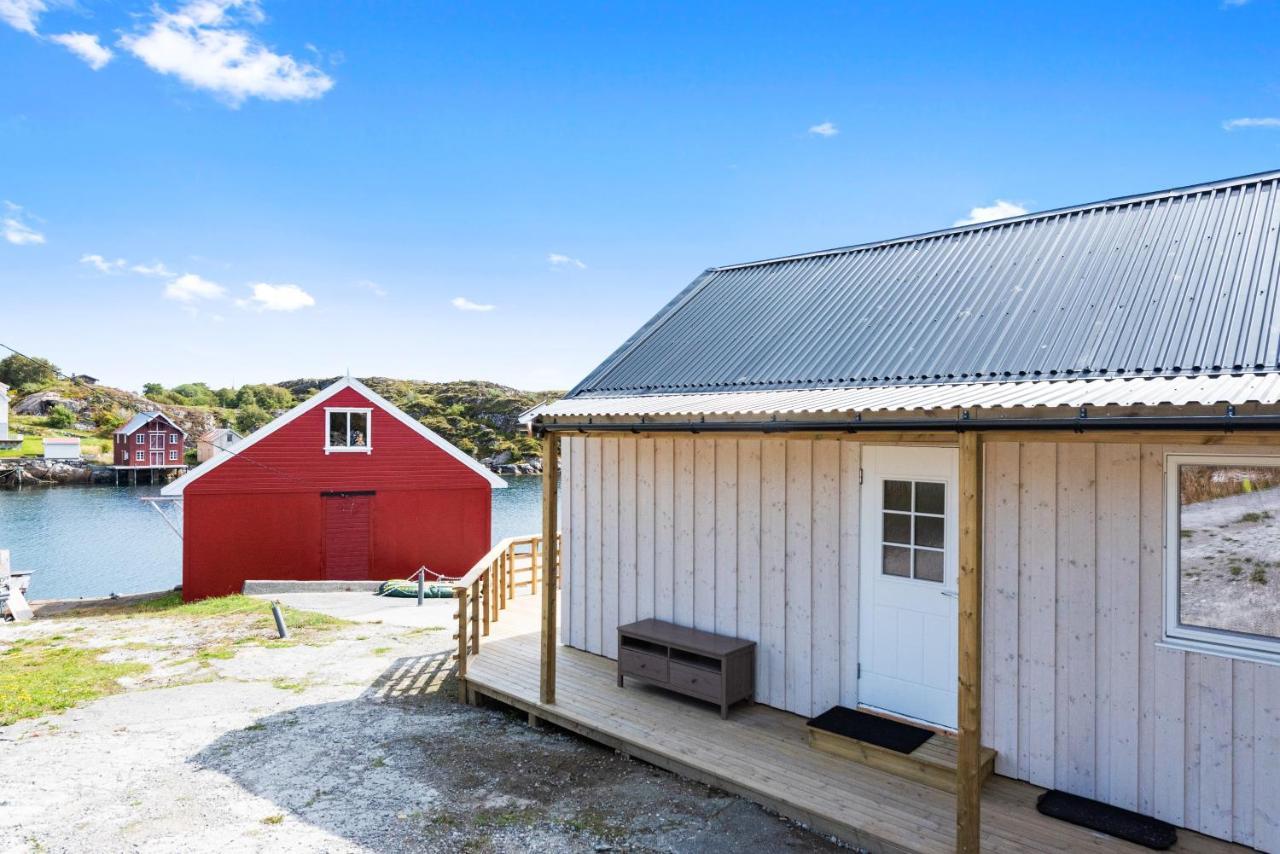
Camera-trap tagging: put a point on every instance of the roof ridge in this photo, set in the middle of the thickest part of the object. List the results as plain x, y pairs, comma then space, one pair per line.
1135, 198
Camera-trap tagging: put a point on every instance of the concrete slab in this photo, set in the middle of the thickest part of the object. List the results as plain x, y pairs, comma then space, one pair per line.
367, 608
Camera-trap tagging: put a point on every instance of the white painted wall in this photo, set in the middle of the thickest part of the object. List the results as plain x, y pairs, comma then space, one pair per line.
1078, 692
758, 538
4, 411
755, 538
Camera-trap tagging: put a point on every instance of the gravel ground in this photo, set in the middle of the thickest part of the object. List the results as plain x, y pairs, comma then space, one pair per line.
351, 741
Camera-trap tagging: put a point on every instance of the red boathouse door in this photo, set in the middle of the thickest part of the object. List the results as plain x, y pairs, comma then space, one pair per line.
157, 449
347, 517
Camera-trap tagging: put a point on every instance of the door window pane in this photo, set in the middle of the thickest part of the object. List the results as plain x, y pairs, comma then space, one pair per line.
931, 498
897, 528
929, 531
897, 561
897, 495
928, 565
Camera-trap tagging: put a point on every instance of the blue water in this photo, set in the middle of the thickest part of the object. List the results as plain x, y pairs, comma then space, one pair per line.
98, 540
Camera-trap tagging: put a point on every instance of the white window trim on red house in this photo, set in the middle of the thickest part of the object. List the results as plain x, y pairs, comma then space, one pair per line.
367, 447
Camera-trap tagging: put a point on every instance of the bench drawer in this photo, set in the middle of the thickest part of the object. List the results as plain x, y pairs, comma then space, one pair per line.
646, 665
696, 681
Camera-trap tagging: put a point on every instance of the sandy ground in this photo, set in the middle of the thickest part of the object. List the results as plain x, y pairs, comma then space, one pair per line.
1231, 563
351, 742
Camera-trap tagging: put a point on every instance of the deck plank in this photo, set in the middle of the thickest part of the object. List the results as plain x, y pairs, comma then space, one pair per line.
762, 754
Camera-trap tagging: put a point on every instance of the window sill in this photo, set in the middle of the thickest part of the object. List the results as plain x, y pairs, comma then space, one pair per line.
348, 450
1237, 653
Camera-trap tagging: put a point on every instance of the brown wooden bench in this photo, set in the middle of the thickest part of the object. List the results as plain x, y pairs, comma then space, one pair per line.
699, 664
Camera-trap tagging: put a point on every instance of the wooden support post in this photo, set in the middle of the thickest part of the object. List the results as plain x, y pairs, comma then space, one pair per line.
511, 570
551, 564
461, 596
500, 562
969, 671
475, 618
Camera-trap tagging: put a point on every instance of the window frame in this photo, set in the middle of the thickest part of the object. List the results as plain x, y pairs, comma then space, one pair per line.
139, 456
173, 438
367, 447
1224, 642
173, 455
140, 439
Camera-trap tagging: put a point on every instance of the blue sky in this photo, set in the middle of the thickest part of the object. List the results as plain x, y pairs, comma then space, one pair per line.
247, 192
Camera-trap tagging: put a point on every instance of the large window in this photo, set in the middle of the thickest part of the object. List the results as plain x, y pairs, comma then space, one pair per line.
347, 430
1223, 552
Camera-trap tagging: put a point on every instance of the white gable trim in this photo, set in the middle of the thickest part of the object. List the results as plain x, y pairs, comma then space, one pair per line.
177, 486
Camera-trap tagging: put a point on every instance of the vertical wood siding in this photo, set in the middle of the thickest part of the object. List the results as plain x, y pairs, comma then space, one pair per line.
759, 538
1077, 692
755, 538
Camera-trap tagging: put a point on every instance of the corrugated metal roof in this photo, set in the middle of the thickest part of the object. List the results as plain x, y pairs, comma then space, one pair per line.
1183, 281
1251, 388
141, 419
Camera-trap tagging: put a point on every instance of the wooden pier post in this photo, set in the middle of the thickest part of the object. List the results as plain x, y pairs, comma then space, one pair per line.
551, 564
969, 668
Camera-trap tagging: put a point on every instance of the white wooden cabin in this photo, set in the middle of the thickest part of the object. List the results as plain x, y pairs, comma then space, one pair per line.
1016, 481
61, 448
211, 443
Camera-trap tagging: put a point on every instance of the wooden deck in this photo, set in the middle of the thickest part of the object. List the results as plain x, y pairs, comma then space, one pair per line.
762, 754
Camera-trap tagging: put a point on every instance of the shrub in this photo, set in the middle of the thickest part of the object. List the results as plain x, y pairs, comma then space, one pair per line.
60, 418
250, 418
17, 371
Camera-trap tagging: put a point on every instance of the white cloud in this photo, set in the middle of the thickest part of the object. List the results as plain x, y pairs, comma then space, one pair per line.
826, 129
86, 46
373, 287
102, 265
206, 45
1264, 122
190, 287
22, 14
16, 228
268, 297
999, 210
464, 304
153, 269
555, 259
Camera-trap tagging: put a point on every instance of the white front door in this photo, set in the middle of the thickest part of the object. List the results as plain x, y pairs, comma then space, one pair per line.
907, 616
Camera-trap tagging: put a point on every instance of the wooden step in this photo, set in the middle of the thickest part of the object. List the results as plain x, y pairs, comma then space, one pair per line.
932, 763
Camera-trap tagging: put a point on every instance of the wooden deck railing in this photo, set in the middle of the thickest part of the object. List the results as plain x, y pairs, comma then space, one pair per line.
485, 591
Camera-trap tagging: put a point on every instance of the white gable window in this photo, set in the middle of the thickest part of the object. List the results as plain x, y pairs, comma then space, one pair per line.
1222, 583
139, 439
173, 438
348, 430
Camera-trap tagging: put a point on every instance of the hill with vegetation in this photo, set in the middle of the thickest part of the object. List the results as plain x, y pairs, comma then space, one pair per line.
479, 417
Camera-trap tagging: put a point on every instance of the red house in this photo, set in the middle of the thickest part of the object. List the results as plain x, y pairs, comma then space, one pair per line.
343, 487
150, 441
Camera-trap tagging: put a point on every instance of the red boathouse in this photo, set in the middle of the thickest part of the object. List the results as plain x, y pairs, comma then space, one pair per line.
343, 487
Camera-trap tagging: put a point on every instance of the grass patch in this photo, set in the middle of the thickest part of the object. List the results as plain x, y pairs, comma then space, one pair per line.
381, 650
506, 818
219, 653
1258, 576
37, 678
289, 685
1186, 533
278, 818
171, 605
1236, 570
1256, 517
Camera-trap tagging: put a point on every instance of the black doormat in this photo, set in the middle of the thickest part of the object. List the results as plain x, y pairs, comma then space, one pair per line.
881, 732
1107, 819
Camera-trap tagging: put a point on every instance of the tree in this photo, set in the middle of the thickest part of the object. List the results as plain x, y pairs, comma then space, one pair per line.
18, 371
60, 417
152, 390
250, 418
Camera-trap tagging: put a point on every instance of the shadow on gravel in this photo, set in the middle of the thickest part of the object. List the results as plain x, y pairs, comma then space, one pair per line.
405, 767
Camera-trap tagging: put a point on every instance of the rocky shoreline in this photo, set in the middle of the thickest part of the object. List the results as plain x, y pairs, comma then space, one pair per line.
17, 473
503, 464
